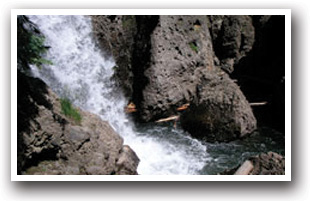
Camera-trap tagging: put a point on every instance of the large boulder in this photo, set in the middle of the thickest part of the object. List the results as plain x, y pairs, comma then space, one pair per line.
220, 112
51, 143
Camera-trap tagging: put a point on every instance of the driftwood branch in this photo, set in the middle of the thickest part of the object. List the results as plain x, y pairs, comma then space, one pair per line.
245, 168
259, 103
171, 118
183, 107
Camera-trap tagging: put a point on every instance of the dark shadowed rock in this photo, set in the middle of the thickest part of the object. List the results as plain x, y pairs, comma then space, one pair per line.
233, 37
261, 74
220, 112
51, 143
116, 36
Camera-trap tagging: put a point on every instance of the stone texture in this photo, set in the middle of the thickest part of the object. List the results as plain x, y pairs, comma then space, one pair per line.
233, 37
220, 112
169, 61
116, 36
269, 163
51, 143
180, 46
159, 55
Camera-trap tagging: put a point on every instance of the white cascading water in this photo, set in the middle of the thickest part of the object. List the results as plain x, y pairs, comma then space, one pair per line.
80, 73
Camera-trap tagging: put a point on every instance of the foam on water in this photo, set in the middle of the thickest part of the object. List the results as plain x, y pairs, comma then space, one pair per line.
80, 73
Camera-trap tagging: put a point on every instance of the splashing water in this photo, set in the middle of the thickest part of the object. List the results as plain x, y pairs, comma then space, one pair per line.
80, 73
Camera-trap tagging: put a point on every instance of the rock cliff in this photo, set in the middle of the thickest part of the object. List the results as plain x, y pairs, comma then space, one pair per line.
233, 37
51, 143
251, 49
161, 62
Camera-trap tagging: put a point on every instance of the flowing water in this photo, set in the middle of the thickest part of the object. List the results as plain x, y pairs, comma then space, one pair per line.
80, 73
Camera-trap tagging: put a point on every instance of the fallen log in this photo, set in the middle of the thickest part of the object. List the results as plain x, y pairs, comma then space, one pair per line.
258, 104
245, 168
130, 110
171, 118
183, 107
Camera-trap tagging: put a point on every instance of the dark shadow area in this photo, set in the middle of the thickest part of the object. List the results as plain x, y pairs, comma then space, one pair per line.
44, 155
31, 92
141, 54
261, 74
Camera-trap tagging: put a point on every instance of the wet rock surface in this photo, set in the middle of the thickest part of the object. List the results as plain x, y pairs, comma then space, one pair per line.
51, 143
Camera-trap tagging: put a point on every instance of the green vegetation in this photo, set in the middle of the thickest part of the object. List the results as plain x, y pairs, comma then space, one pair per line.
128, 21
68, 110
194, 46
37, 48
30, 44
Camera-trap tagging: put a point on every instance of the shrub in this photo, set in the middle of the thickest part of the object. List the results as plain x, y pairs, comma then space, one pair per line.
30, 44
68, 110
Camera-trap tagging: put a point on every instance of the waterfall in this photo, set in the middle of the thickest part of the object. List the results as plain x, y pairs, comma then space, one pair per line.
80, 73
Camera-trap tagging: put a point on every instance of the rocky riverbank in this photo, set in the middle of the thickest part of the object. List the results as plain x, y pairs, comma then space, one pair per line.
270, 163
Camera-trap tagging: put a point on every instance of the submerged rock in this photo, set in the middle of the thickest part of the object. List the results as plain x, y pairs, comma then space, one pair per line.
51, 143
220, 111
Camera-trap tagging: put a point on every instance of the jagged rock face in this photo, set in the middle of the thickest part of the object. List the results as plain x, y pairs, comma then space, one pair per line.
252, 50
233, 37
159, 58
51, 143
180, 45
269, 163
220, 112
116, 36
166, 58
